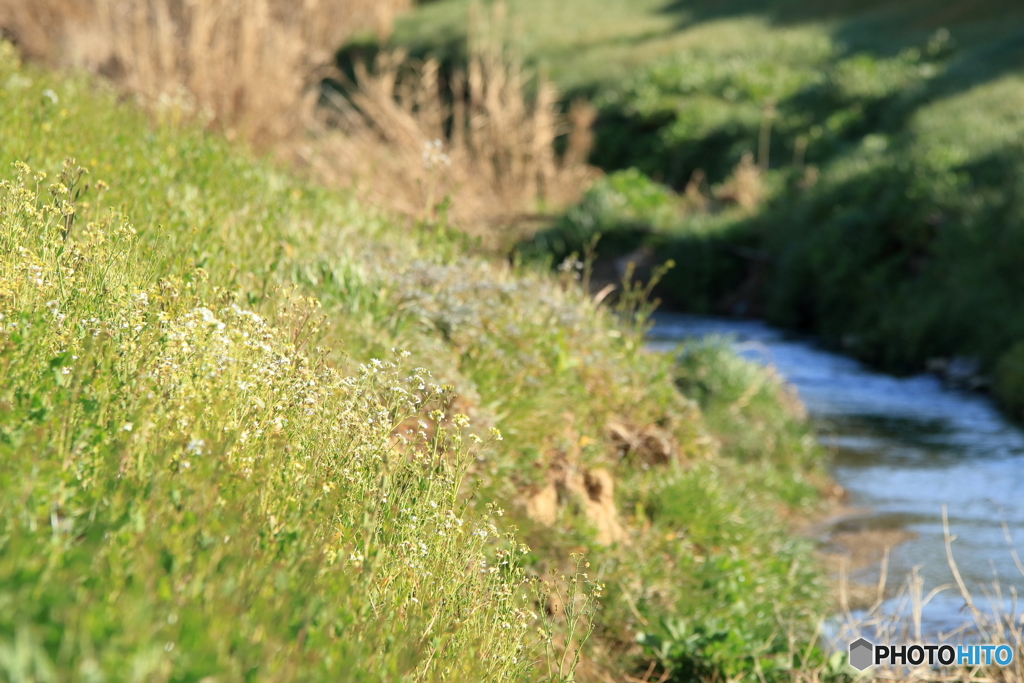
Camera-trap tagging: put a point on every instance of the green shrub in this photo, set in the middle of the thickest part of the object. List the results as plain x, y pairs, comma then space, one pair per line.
740, 561
623, 209
898, 245
1008, 384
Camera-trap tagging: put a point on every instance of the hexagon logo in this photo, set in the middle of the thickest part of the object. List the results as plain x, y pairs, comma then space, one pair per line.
861, 654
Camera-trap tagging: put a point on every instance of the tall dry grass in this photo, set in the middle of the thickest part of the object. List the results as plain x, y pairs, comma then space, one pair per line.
482, 137
896, 617
244, 67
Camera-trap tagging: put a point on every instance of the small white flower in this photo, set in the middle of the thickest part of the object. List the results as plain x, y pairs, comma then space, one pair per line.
127, 427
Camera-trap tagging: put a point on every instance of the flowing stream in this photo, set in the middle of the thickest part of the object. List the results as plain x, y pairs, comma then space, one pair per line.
903, 448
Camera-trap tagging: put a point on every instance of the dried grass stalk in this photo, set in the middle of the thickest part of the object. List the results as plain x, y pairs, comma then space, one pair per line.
896, 617
408, 140
245, 67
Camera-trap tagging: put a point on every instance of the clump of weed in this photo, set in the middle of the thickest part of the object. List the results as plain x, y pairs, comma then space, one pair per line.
896, 615
622, 209
750, 603
748, 404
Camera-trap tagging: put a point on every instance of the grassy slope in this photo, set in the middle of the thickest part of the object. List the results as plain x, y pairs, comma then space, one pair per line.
186, 492
905, 247
193, 490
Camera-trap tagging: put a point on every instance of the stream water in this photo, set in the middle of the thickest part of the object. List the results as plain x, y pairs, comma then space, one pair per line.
903, 448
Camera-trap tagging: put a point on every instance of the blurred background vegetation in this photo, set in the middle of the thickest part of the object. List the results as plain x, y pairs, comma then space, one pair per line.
849, 169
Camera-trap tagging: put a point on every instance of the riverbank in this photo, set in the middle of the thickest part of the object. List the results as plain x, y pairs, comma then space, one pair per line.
220, 460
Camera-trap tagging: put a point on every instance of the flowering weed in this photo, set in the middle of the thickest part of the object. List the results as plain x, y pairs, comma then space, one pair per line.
187, 495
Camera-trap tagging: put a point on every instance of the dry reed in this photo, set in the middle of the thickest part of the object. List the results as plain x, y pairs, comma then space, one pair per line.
745, 187
244, 67
410, 138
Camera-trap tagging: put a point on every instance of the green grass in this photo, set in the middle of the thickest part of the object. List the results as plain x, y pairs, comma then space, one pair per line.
587, 44
215, 461
576, 43
186, 492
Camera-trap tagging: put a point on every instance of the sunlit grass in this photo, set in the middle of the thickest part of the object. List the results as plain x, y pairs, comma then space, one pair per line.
593, 43
187, 357
187, 493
